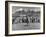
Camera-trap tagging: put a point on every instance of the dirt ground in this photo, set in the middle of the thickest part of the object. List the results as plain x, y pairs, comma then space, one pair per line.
25, 26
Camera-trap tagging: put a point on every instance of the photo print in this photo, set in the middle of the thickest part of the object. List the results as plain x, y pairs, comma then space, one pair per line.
25, 18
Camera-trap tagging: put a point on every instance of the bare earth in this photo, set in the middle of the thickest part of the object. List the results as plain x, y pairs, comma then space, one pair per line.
22, 26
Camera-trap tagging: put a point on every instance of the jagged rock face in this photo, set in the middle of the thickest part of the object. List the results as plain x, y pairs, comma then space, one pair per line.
26, 12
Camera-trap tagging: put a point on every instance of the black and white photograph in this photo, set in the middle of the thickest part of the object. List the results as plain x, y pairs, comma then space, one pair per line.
24, 18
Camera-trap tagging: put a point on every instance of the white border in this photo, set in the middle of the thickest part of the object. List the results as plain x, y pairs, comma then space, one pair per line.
23, 5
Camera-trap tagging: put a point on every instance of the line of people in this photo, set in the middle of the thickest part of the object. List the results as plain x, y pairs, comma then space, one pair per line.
26, 19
